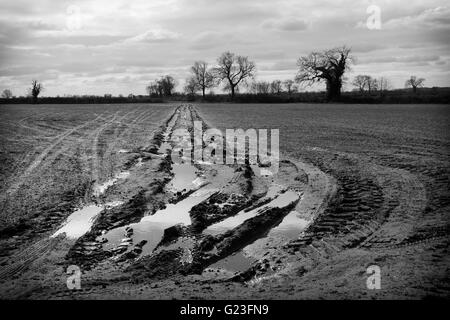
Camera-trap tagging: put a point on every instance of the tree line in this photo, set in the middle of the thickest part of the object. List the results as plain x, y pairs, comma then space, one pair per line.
233, 71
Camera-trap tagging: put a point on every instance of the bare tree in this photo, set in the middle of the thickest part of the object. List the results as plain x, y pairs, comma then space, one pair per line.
289, 86
167, 84
191, 86
372, 84
203, 77
260, 87
162, 87
414, 83
35, 90
234, 70
364, 81
360, 82
154, 89
383, 84
328, 66
276, 87
7, 94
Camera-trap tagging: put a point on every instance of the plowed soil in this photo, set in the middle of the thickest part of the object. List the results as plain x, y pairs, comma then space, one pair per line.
357, 186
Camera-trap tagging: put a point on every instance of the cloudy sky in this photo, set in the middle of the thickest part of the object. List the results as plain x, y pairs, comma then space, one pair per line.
118, 46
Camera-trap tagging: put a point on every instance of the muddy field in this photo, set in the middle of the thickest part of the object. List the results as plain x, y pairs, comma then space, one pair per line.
95, 187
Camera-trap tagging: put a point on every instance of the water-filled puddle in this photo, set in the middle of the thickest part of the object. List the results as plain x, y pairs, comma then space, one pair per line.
164, 147
281, 201
291, 226
185, 178
80, 221
261, 171
237, 262
151, 228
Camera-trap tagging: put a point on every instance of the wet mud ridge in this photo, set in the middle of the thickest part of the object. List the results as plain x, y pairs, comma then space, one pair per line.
157, 222
181, 218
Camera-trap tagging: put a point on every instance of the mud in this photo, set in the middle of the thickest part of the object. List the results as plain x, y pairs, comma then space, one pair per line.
152, 228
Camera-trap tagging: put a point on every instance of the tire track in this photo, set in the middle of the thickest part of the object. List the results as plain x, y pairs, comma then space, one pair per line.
20, 180
128, 129
25, 258
95, 159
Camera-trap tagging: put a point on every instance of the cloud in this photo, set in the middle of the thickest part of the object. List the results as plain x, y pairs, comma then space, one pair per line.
367, 47
212, 40
40, 25
438, 17
146, 39
155, 35
280, 66
288, 24
401, 59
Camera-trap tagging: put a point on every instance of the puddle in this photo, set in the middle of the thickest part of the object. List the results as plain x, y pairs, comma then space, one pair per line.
100, 189
165, 146
123, 151
261, 171
181, 243
291, 226
237, 262
289, 229
274, 190
185, 178
151, 228
265, 172
282, 200
80, 221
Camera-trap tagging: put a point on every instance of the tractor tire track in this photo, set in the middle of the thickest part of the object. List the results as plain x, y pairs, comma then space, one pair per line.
20, 180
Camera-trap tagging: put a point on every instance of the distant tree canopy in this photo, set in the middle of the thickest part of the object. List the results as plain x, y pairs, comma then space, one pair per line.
7, 94
366, 82
260, 87
35, 90
329, 66
234, 70
384, 84
360, 82
414, 83
276, 87
168, 84
190, 87
289, 85
363, 82
202, 77
162, 87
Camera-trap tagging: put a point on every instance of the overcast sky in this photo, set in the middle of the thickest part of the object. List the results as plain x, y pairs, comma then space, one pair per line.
118, 46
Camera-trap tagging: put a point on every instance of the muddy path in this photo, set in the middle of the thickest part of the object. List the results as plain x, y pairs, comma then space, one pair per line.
164, 228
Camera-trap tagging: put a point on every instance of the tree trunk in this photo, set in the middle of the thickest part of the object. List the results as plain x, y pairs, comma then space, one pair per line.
334, 90
232, 92
414, 89
203, 92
